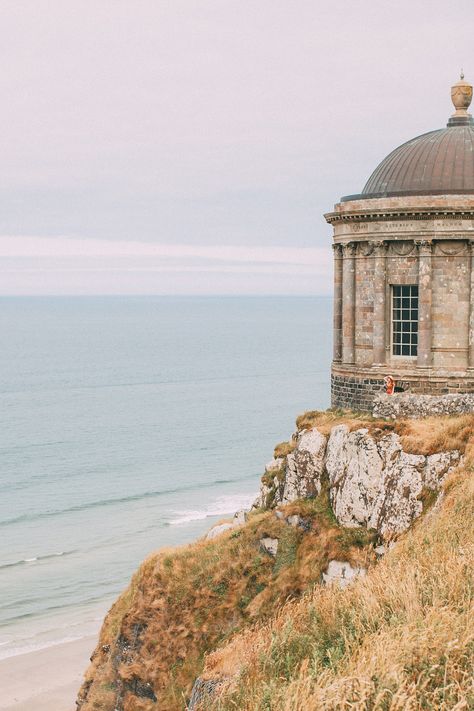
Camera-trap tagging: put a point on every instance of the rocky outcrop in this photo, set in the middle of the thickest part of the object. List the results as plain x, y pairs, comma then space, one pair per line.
239, 519
304, 467
392, 407
271, 488
378, 485
269, 545
372, 482
342, 573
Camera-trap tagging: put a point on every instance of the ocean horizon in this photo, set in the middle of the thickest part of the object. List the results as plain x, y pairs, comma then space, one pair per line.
132, 423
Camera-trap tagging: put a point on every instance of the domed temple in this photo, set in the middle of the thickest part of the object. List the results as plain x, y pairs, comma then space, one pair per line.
404, 269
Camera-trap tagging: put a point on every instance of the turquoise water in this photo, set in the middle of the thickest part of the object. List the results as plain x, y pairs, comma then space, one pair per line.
128, 424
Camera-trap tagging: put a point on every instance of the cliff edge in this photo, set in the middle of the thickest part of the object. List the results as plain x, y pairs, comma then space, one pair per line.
334, 589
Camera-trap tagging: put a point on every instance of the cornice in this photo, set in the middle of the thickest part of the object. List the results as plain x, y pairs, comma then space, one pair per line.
388, 215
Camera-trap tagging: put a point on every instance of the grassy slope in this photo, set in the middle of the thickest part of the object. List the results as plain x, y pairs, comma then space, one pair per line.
330, 646
400, 639
185, 602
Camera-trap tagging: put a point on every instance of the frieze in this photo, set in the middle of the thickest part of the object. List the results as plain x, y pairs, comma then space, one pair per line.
451, 248
360, 227
402, 249
449, 224
366, 248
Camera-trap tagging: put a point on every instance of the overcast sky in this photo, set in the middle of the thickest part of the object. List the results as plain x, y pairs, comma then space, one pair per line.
192, 146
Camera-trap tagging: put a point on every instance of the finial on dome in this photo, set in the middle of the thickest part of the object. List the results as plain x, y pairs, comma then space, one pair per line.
461, 96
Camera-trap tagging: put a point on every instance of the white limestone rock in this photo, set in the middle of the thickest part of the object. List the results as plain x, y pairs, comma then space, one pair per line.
274, 465
354, 466
217, 530
372, 481
437, 468
378, 485
297, 521
269, 545
342, 573
240, 517
304, 467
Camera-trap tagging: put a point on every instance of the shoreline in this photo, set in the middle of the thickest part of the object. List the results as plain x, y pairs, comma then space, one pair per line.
47, 679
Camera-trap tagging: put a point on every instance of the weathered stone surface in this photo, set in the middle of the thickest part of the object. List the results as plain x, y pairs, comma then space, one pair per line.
297, 521
270, 493
415, 406
378, 485
202, 692
240, 518
354, 466
297, 477
304, 467
342, 573
274, 464
217, 530
269, 545
372, 481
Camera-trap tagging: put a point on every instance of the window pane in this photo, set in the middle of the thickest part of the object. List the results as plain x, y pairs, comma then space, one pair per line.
405, 320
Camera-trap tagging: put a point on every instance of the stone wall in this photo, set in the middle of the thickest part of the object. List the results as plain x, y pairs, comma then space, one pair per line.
352, 393
414, 406
450, 306
355, 390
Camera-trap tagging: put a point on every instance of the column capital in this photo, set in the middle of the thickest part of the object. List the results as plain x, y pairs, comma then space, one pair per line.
380, 247
425, 246
349, 249
337, 249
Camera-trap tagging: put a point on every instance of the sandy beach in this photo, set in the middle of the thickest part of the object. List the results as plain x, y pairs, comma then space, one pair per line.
45, 680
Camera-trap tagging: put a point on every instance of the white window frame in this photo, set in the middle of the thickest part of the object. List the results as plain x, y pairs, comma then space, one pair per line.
412, 333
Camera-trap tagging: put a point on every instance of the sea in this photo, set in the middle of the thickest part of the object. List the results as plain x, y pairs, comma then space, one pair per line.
128, 424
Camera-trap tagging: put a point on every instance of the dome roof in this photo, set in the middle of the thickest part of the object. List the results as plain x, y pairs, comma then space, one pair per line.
438, 162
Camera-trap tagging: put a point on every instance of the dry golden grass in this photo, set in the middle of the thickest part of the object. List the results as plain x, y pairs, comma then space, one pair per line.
325, 420
400, 639
436, 434
425, 436
186, 601
283, 449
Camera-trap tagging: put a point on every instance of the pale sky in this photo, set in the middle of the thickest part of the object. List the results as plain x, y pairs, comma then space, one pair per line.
192, 146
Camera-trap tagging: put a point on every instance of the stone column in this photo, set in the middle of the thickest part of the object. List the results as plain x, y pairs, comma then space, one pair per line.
348, 303
380, 249
471, 306
337, 344
424, 302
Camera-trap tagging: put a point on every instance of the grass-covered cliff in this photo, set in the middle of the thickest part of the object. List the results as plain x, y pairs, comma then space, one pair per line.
268, 635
